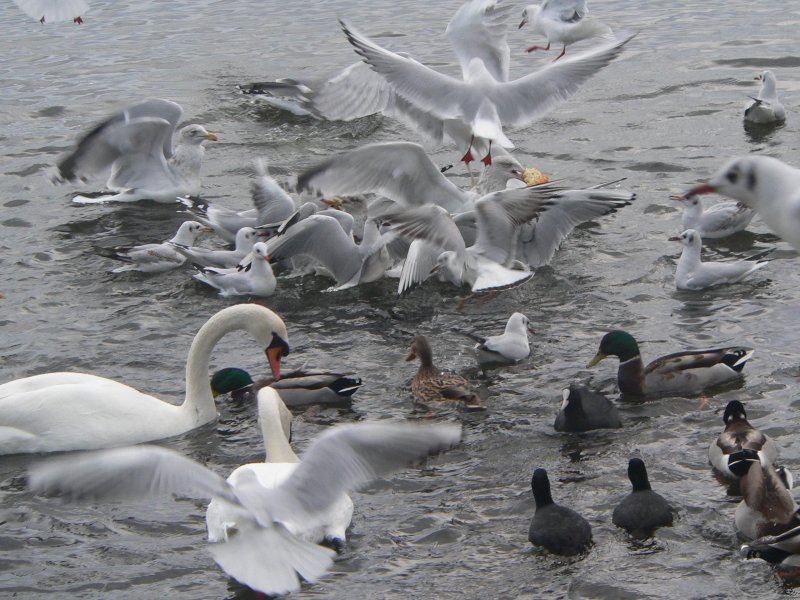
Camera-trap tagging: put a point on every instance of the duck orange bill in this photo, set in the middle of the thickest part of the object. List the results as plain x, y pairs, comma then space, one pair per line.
274, 357
597, 358
410, 356
702, 188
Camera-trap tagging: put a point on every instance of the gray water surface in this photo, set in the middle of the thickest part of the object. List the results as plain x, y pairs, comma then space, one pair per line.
665, 115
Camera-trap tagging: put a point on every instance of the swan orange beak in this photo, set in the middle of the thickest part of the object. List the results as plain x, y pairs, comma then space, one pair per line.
274, 358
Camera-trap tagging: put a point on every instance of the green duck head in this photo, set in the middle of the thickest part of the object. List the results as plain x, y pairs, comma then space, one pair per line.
616, 343
229, 380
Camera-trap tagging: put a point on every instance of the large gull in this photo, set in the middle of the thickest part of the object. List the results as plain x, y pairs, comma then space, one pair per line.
137, 146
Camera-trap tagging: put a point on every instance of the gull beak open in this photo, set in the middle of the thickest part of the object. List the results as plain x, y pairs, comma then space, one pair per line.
212, 138
674, 238
757, 78
207, 229
531, 331
597, 358
702, 188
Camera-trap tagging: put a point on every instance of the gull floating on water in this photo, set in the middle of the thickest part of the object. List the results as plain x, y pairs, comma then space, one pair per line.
53, 11
136, 144
765, 184
263, 553
563, 22
483, 104
156, 258
717, 221
223, 259
694, 274
256, 279
765, 108
507, 348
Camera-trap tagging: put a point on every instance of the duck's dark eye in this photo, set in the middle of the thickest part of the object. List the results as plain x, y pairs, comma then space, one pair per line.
732, 176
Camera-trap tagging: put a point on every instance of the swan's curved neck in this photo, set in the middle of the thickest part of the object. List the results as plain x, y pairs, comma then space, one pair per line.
199, 402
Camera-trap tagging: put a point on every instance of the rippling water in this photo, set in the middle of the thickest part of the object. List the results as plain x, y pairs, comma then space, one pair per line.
665, 115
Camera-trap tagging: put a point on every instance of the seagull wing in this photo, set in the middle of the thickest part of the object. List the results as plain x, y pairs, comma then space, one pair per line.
347, 457
431, 223
478, 30
401, 171
271, 201
127, 473
540, 240
530, 97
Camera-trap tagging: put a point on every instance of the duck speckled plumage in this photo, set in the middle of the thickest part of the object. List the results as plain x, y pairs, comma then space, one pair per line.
431, 384
688, 372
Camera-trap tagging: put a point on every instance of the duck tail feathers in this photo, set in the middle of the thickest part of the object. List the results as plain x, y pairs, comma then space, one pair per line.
346, 386
736, 358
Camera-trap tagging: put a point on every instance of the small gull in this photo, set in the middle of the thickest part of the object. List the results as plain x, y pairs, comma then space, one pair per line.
136, 144
563, 22
765, 184
765, 108
507, 348
156, 258
223, 259
717, 221
53, 11
255, 280
483, 104
694, 274
263, 553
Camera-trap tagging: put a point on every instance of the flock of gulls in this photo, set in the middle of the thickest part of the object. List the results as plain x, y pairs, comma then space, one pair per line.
407, 219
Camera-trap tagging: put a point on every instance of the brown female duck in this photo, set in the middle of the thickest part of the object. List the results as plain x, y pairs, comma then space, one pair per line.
431, 384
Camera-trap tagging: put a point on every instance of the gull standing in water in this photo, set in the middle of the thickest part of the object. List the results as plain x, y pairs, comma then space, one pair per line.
563, 22
136, 144
156, 258
483, 105
262, 553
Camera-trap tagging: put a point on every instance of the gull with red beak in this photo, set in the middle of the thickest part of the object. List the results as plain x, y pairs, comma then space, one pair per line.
767, 185
257, 279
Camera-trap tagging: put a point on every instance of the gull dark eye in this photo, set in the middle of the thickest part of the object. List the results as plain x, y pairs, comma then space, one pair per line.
732, 176
751, 181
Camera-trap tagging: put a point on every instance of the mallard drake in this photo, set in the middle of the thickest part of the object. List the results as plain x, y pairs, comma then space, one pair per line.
431, 384
643, 510
506, 349
557, 528
584, 410
767, 508
687, 372
739, 441
298, 388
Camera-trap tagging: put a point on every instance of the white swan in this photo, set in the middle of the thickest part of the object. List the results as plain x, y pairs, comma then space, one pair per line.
276, 423
262, 553
77, 411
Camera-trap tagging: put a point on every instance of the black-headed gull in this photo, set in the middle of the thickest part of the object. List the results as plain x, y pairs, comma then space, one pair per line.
156, 258
694, 274
765, 108
767, 185
717, 221
508, 348
136, 144
223, 259
52, 11
482, 103
263, 553
256, 279
562, 22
